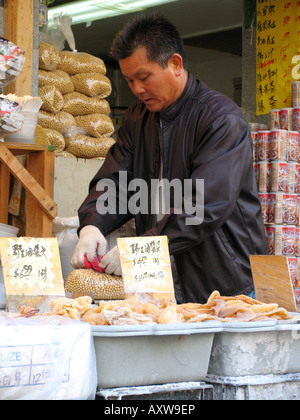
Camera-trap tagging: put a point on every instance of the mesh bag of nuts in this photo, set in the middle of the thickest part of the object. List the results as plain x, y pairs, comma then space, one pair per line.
92, 84
86, 147
79, 104
49, 56
52, 98
73, 62
97, 125
54, 138
61, 80
61, 122
86, 282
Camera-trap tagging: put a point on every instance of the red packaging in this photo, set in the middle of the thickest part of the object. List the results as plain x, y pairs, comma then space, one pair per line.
285, 208
271, 208
264, 200
285, 240
255, 146
264, 177
286, 119
293, 269
292, 177
296, 119
270, 235
292, 146
278, 145
278, 176
275, 119
264, 145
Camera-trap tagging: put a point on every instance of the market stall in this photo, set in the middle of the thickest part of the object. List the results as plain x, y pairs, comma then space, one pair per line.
138, 343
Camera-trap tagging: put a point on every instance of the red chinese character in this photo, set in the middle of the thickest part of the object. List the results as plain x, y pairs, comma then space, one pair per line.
286, 20
287, 5
286, 36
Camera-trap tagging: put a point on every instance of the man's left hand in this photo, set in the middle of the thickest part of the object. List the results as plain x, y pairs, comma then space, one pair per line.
111, 262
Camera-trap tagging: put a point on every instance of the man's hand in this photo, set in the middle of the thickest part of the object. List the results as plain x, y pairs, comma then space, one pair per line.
91, 247
111, 262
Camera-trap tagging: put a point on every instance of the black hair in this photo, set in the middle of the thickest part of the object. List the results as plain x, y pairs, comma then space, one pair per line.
153, 31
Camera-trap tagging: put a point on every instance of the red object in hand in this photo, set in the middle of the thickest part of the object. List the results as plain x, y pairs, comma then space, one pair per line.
94, 264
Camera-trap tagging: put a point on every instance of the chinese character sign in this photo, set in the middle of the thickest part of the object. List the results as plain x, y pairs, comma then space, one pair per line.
277, 44
146, 267
31, 266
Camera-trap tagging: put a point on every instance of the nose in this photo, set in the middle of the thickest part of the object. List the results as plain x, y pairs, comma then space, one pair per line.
138, 88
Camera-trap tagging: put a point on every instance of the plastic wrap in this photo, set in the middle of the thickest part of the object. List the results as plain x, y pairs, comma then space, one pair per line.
46, 358
10, 118
87, 147
92, 84
57, 78
61, 122
79, 62
11, 61
96, 125
54, 138
52, 98
99, 286
49, 56
79, 104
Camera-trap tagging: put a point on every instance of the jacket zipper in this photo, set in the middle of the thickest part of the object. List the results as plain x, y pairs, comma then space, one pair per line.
160, 170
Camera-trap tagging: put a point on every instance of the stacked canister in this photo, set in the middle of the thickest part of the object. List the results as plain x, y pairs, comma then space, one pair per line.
277, 168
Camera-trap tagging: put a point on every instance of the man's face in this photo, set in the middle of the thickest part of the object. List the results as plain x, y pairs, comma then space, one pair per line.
156, 86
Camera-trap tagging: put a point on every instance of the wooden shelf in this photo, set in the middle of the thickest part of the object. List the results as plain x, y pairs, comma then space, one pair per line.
37, 179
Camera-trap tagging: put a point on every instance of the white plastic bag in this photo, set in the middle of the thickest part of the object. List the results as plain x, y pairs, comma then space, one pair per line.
46, 358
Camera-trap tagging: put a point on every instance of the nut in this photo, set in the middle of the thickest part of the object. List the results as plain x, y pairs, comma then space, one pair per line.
97, 125
48, 57
80, 62
86, 147
100, 286
92, 84
58, 78
79, 104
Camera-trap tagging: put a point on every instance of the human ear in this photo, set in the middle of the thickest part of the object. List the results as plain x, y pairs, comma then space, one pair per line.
176, 64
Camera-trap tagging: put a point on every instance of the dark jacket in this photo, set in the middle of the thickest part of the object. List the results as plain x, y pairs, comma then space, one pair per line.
203, 135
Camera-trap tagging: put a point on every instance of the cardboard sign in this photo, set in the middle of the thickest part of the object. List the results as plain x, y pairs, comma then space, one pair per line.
146, 267
31, 271
272, 280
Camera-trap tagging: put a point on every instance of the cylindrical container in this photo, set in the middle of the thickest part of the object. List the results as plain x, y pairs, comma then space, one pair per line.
295, 94
264, 177
286, 119
271, 208
285, 208
298, 242
264, 201
298, 273
285, 240
292, 177
256, 174
293, 269
264, 145
255, 146
292, 146
270, 235
275, 119
278, 176
278, 145
296, 119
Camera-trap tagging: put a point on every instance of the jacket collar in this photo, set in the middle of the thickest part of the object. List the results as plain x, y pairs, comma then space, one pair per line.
171, 113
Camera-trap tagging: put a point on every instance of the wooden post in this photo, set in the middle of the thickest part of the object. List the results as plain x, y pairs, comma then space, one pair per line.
19, 30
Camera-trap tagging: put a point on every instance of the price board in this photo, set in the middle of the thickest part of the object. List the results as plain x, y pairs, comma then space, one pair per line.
146, 267
31, 271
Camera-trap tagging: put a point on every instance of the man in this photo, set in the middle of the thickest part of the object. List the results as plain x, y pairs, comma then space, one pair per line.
179, 129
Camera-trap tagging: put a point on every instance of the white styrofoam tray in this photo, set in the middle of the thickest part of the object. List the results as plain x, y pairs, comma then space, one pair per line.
256, 348
152, 355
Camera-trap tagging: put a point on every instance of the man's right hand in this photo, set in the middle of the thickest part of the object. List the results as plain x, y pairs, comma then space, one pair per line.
92, 244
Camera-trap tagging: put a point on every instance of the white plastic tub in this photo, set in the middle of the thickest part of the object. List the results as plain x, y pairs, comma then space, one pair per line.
256, 348
152, 355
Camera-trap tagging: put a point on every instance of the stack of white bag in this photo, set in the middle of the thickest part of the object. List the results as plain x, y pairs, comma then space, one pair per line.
46, 358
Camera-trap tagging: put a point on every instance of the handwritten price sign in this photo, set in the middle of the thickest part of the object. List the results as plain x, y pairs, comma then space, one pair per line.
146, 267
31, 270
